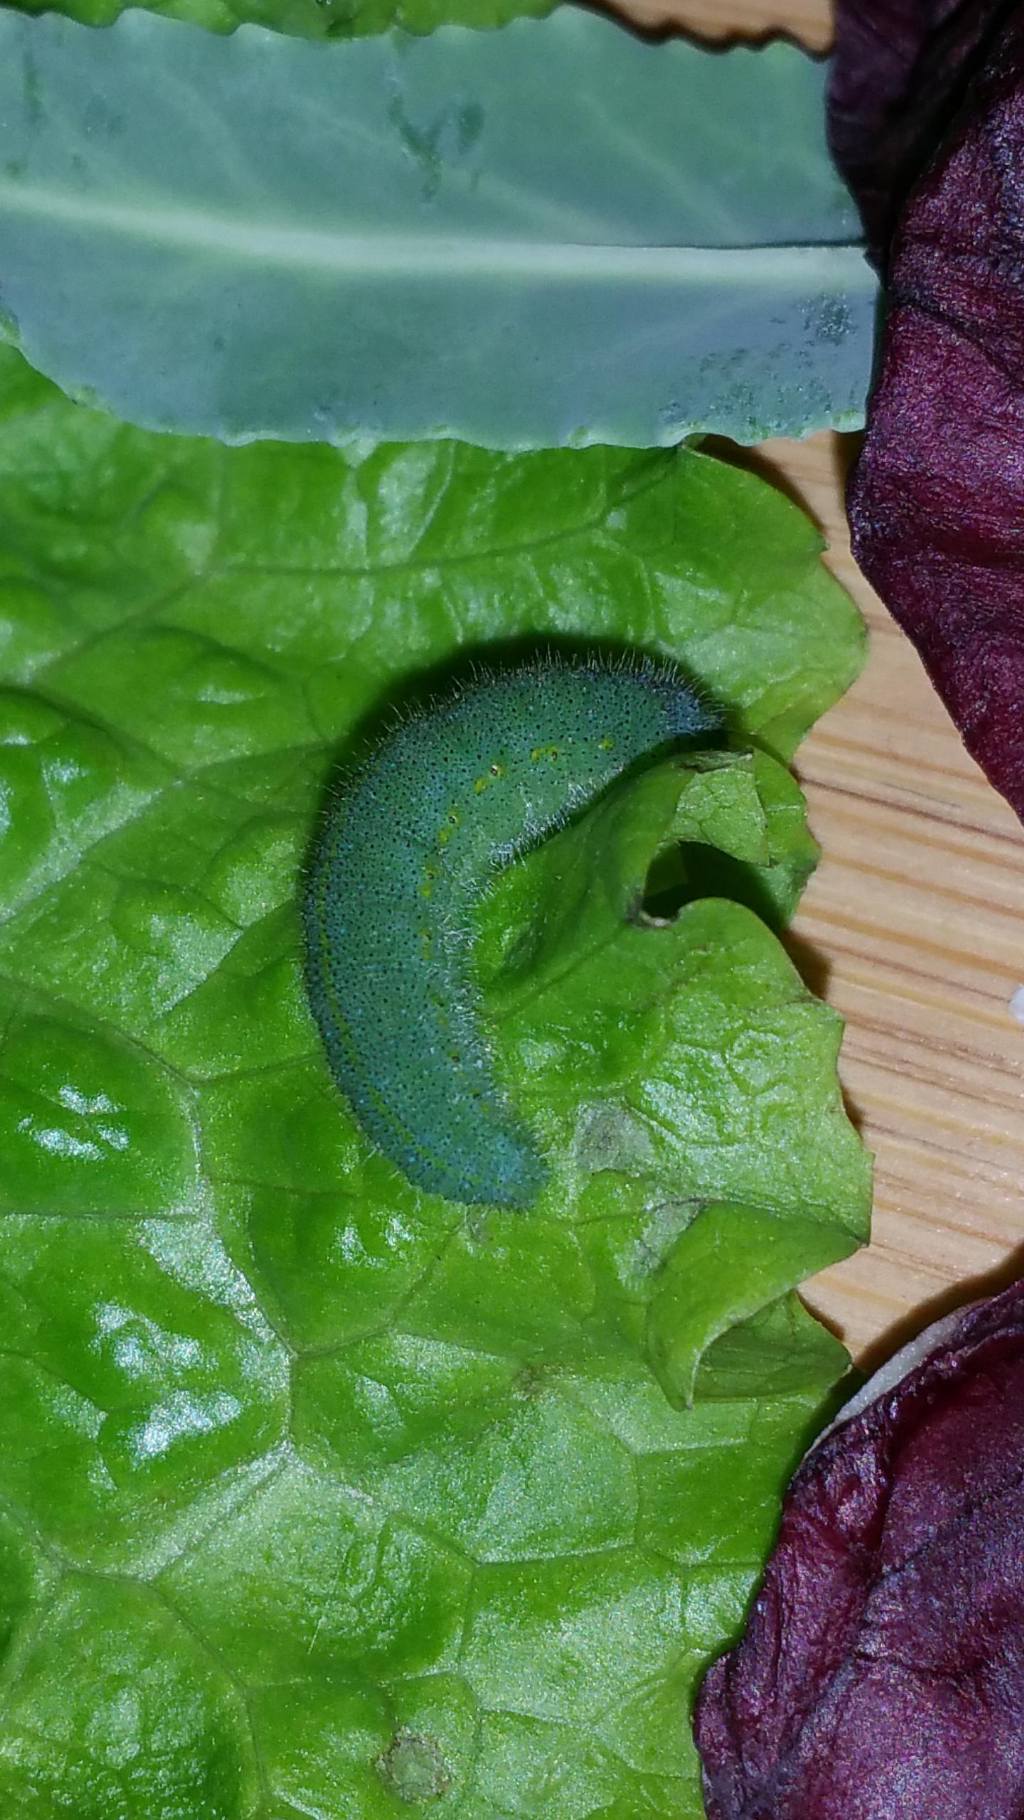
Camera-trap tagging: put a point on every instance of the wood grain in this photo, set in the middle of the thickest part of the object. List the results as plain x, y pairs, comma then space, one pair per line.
809, 21
917, 913
914, 924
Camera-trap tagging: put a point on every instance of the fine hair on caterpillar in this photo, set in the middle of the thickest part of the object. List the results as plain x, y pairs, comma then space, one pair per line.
410, 842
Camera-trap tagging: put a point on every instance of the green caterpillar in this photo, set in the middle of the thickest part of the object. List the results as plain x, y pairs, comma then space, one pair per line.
408, 848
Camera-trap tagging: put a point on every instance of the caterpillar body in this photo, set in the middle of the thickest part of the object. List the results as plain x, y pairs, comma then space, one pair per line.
408, 847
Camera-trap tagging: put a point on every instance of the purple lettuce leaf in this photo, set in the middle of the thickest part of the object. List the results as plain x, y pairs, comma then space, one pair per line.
936, 502
897, 74
881, 1676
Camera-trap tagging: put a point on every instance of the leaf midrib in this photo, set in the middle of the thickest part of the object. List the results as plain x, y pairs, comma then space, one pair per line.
342, 251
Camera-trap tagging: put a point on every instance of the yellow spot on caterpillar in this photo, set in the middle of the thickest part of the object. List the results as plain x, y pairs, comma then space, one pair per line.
605, 744
481, 784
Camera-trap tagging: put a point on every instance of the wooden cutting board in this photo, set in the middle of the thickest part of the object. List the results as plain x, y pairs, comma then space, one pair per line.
913, 926
916, 919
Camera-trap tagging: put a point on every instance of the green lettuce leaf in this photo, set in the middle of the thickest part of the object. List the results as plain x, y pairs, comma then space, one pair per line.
319, 1498
306, 18
443, 236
